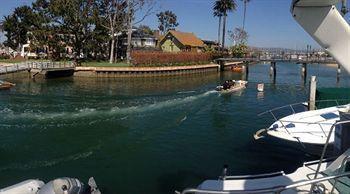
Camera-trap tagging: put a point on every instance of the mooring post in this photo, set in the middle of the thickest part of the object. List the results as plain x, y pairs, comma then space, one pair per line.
312, 94
304, 70
245, 67
273, 69
222, 65
338, 73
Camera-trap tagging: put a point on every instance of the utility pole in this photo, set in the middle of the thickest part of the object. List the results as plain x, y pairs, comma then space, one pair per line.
129, 26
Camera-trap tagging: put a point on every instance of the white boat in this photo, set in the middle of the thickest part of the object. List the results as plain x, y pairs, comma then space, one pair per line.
299, 181
61, 185
232, 86
321, 176
309, 127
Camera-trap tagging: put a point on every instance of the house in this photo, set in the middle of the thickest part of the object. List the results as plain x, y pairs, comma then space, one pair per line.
140, 40
176, 41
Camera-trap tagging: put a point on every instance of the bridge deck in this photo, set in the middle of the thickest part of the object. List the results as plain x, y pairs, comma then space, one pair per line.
36, 66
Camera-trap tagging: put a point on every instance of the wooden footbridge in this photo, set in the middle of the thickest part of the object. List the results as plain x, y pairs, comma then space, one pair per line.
274, 60
46, 68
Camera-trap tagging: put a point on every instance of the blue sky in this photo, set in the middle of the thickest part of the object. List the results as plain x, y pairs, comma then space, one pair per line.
269, 22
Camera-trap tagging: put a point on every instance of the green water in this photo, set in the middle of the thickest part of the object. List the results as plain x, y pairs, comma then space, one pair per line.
146, 135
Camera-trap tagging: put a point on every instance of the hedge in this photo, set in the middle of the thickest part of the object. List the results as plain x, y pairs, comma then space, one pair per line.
154, 58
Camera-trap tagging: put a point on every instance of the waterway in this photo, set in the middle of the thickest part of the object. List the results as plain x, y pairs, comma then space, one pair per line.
147, 135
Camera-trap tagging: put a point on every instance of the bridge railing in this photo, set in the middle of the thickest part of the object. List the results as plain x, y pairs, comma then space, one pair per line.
41, 65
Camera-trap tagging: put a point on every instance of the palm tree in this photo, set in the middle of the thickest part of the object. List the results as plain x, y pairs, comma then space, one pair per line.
245, 2
223, 7
217, 13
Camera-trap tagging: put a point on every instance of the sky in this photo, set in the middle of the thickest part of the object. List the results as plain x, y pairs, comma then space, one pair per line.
269, 23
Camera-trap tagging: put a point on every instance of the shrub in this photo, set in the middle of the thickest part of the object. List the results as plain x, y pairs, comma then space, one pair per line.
155, 58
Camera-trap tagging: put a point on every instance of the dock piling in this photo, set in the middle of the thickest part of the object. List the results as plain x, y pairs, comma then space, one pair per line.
312, 94
338, 73
245, 68
273, 71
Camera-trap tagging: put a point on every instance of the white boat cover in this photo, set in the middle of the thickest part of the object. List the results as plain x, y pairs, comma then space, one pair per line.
324, 23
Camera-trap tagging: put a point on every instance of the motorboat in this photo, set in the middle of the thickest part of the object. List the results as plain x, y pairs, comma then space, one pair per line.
6, 85
326, 176
309, 127
63, 185
231, 86
330, 175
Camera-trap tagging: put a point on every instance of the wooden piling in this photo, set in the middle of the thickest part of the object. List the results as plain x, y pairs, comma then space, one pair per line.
312, 94
338, 73
246, 71
273, 69
304, 70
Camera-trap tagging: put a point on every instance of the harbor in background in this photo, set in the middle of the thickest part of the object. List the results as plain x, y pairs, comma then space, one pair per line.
114, 122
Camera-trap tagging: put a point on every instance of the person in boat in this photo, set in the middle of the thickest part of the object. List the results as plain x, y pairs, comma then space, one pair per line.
226, 85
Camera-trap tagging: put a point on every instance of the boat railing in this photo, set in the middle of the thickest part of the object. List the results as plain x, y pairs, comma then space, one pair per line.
293, 110
292, 106
276, 190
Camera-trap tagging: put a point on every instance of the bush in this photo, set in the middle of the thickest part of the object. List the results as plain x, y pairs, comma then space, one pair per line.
5, 56
239, 51
156, 58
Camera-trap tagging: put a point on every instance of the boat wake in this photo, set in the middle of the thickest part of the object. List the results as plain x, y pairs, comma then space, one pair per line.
8, 114
46, 163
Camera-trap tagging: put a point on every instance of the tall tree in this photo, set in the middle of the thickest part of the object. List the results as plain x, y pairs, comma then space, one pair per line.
218, 13
75, 21
245, 2
112, 15
144, 8
239, 36
16, 27
225, 6
167, 21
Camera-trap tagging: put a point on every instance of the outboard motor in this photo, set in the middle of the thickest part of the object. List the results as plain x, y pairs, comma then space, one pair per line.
63, 186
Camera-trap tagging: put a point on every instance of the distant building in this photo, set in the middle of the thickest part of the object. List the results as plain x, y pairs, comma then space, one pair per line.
140, 40
175, 41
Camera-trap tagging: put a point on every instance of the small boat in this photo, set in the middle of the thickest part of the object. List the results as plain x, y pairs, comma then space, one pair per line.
237, 69
306, 128
60, 185
260, 87
232, 86
6, 85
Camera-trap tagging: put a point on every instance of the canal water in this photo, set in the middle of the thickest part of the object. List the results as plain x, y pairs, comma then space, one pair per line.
147, 135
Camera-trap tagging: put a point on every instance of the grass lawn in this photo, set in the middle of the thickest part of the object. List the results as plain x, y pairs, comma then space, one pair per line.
104, 64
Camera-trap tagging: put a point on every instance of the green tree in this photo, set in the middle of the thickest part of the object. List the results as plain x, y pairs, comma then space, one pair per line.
16, 27
224, 7
74, 22
218, 13
146, 29
245, 2
239, 36
112, 17
239, 50
167, 21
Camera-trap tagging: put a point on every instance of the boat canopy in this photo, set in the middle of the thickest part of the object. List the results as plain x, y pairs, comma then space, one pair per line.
325, 24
